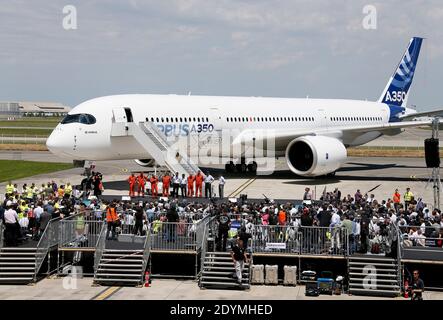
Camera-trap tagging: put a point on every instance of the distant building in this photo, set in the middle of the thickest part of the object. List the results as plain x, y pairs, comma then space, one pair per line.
9, 110
12, 110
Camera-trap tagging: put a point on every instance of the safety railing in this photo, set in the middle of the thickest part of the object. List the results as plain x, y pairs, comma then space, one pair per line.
146, 253
100, 247
418, 236
301, 240
48, 239
2, 231
174, 236
201, 226
399, 254
204, 248
78, 232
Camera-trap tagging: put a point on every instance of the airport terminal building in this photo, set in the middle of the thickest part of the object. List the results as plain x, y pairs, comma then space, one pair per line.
13, 110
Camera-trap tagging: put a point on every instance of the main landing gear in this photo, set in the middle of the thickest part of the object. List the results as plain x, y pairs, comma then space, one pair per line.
241, 167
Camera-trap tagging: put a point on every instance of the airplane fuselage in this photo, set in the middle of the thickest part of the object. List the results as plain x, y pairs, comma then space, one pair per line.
198, 117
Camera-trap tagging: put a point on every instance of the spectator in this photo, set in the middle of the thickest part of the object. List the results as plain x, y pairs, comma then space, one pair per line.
208, 185
224, 224
418, 286
11, 225
239, 257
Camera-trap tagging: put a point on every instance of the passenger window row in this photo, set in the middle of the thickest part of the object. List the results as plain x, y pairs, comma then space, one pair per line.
269, 119
178, 119
338, 119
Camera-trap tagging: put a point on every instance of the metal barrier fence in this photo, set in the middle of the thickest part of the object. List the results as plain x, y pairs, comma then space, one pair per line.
22, 138
78, 232
1, 233
100, 247
301, 240
174, 236
418, 236
48, 239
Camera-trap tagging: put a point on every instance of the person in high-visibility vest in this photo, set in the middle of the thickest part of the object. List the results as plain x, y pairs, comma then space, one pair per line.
61, 191
166, 180
111, 221
68, 189
191, 180
132, 180
396, 198
30, 192
9, 189
199, 184
154, 185
141, 180
408, 197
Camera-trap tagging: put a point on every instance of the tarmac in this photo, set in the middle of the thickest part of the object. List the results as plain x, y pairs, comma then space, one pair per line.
381, 175
68, 288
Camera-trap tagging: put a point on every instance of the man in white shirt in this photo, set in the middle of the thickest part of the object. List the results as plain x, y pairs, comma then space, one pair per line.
11, 231
176, 184
183, 183
208, 182
38, 211
221, 186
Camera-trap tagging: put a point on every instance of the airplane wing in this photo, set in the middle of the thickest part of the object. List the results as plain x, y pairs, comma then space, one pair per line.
433, 113
283, 136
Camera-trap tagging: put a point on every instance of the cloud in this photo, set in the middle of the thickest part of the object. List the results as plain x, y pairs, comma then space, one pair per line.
242, 47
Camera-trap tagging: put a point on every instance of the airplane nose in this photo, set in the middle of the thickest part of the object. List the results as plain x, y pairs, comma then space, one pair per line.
54, 143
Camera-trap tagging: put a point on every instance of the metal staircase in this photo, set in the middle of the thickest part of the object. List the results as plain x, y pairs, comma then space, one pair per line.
123, 267
374, 275
156, 145
218, 270
17, 265
120, 266
21, 265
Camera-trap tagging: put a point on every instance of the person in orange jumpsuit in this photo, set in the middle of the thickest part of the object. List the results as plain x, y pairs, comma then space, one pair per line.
141, 179
154, 185
132, 181
166, 180
198, 184
397, 199
191, 179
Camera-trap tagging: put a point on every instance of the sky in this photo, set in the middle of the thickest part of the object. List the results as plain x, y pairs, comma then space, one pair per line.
279, 48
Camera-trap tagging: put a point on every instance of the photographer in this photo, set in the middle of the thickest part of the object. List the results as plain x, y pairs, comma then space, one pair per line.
224, 224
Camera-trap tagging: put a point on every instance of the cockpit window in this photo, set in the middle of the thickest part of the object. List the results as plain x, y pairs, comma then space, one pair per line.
83, 118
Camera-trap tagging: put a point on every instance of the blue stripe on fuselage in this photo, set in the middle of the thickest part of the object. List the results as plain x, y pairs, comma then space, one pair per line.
394, 111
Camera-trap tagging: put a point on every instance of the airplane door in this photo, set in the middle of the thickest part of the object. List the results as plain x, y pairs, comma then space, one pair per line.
216, 120
120, 115
323, 119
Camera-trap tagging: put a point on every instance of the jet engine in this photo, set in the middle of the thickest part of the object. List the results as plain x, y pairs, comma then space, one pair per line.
315, 155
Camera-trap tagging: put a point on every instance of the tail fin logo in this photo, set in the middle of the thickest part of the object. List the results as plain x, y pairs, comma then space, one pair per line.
396, 91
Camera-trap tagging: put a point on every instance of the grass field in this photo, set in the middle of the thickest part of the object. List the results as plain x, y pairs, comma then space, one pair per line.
33, 122
17, 169
10, 132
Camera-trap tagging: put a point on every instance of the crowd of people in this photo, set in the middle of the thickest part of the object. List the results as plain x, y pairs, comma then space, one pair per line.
371, 225
26, 211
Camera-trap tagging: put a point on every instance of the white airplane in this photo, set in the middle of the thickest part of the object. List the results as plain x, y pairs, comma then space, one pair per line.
312, 134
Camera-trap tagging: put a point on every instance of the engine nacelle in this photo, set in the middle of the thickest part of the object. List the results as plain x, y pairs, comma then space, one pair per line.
315, 155
145, 162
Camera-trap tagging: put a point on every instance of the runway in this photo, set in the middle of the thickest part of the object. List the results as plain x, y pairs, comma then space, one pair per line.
383, 174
